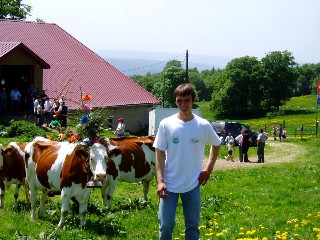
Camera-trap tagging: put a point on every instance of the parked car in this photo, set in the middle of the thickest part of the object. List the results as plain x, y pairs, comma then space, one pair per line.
224, 128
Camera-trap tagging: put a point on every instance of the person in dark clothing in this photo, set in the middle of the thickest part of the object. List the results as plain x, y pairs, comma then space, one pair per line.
245, 145
63, 111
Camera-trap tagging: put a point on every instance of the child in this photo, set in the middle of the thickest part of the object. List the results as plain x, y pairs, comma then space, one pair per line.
284, 134
62, 135
230, 146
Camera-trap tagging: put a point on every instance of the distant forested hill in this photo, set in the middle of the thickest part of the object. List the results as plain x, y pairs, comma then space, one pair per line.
144, 66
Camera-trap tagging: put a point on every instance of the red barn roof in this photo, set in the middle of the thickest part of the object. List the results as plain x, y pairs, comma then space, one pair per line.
74, 67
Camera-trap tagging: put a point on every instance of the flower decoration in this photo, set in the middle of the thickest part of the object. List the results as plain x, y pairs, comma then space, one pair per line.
86, 107
84, 119
73, 138
50, 138
61, 137
87, 97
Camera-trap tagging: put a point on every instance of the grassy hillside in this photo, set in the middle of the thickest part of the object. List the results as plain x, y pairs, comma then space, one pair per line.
264, 201
296, 112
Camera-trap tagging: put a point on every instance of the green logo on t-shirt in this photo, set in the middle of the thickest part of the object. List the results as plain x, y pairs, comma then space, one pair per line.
193, 140
175, 140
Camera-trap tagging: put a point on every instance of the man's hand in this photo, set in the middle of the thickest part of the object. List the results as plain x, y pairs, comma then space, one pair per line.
162, 190
203, 177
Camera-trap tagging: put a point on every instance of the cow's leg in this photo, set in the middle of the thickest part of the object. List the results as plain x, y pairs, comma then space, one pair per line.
2, 193
83, 205
145, 189
33, 201
16, 195
26, 189
65, 200
43, 198
110, 193
104, 188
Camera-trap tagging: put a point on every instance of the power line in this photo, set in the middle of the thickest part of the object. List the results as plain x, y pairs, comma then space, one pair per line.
154, 63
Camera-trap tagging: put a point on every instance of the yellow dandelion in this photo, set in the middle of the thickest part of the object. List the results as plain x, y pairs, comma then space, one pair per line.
264, 238
296, 235
201, 227
215, 214
241, 233
209, 234
241, 228
309, 215
219, 234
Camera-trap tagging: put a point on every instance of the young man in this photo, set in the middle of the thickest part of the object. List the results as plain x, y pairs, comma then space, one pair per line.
180, 144
261, 140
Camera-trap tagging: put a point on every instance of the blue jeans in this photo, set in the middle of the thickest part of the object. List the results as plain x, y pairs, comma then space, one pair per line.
191, 202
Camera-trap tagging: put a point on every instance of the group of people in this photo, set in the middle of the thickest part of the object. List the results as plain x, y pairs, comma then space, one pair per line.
40, 106
244, 141
282, 133
46, 112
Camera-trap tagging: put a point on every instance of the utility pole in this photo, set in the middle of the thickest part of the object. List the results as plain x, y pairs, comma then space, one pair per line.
187, 74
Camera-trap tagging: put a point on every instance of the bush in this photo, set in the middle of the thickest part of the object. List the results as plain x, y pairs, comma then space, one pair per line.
25, 130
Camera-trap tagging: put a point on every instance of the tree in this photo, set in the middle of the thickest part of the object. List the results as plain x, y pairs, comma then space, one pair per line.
306, 74
173, 63
14, 9
238, 89
280, 78
172, 77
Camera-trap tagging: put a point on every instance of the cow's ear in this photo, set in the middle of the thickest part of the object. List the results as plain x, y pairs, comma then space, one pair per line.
114, 152
8, 151
81, 153
103, 142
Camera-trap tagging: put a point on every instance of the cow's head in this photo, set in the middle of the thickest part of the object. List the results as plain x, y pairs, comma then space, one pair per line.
98, 162
12, 151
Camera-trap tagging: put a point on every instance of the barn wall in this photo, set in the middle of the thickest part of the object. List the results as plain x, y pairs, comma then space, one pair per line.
135, 117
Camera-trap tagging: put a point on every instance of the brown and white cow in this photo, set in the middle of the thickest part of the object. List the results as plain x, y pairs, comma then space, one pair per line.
12, 171
64, 167
130, 159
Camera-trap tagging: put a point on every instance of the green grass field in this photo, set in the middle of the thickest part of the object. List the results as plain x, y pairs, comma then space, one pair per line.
269, 201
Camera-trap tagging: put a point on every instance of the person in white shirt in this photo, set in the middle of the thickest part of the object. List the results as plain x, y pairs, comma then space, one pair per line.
35, 109
180, 144
47, 111
121, 127
261, 141
238, 139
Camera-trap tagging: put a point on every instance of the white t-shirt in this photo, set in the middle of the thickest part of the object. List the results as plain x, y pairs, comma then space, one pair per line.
120, 128
184, 143
47, 105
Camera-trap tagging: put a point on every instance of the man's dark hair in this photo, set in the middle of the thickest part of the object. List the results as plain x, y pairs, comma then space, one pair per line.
185, 89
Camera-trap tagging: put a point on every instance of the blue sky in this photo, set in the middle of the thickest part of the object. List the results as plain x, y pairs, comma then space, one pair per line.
229, 28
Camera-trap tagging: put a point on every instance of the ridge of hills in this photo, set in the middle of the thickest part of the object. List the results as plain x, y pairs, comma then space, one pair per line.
141, 63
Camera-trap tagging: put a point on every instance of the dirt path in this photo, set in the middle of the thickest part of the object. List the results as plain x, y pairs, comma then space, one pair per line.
281, 152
